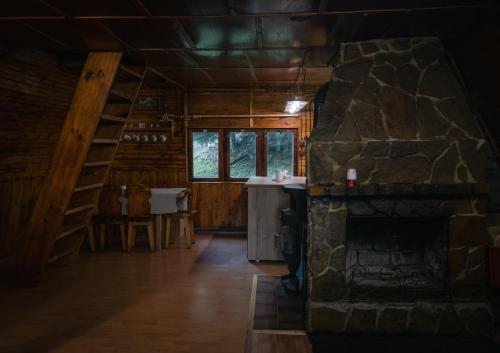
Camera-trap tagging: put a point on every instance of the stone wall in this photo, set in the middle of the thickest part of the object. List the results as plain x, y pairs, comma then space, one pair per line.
396, 112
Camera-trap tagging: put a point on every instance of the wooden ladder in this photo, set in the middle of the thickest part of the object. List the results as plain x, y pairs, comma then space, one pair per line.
103, 100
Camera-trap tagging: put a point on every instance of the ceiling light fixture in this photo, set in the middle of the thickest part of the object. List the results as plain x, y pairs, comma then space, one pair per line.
295, 105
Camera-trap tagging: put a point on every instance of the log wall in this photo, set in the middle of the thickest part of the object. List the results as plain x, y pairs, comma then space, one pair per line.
220, 204
35, 94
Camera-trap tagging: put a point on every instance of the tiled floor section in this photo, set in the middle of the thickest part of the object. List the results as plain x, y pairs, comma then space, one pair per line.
274, 308
174, 301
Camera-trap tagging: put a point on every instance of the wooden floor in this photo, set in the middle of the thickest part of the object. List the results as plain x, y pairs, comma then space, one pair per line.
176, 300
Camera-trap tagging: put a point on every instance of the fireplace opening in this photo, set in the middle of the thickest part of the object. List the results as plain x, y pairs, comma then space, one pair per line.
397, 258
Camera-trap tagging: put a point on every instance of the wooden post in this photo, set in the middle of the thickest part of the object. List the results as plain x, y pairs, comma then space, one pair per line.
69, 156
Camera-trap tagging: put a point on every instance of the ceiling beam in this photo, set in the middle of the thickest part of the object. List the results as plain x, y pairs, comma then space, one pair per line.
250, 66
483, 5
231, 7
166, 78
322, 6
166, 67
259, 32
47, 36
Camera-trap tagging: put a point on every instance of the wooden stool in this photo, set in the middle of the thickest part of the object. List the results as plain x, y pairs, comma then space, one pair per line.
186, 224
139, 215
110, 214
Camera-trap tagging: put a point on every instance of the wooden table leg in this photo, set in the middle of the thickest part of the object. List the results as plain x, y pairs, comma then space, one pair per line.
168, 223
158, 231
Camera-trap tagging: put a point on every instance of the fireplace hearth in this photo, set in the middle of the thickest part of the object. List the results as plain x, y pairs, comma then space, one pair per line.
403, 251
397, 258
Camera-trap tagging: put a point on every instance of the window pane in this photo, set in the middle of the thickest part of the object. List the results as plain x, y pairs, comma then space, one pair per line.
279, 151
205, 154
243, 154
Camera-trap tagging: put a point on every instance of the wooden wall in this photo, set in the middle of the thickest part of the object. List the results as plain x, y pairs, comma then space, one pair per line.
35, 94
221, 204
153, 164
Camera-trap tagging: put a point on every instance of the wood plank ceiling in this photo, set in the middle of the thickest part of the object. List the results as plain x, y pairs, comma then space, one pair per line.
233, 43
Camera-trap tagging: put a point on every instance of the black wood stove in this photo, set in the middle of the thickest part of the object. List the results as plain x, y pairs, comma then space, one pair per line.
293, 237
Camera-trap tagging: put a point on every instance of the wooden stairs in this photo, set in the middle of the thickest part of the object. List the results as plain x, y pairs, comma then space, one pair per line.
102, 102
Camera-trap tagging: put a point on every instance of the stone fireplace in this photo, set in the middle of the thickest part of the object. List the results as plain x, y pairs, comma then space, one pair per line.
404, 251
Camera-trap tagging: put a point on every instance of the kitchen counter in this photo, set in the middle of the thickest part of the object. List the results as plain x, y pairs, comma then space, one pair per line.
268, 181
266, 199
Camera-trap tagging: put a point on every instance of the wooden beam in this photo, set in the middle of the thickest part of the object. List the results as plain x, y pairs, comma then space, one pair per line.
71, 151
481, 5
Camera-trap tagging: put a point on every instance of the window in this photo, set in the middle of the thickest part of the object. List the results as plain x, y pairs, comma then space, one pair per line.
205, 147
280, 153
228, 154
242, 154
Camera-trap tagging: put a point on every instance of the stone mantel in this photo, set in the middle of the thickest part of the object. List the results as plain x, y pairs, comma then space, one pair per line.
396, 190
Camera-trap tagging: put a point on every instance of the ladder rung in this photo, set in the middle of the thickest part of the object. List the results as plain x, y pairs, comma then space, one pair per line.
105, 141
88, 187
130, 71
113, 119
79, 209
61, 255
96, 164
70, 230
120, 94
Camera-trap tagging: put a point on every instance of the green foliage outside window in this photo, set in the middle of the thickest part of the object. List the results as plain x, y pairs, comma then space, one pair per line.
243, 154
205, 154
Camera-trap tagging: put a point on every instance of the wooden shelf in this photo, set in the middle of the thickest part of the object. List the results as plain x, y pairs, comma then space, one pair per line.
79, 209
88, 187
105, 141
97, 164
147, 129
112, 119
68, 230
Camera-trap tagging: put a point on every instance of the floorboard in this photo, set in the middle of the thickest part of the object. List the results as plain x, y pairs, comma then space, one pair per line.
176, 300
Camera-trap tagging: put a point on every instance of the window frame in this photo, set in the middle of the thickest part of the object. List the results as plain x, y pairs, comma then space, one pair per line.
295, 149
225, 152
220, 134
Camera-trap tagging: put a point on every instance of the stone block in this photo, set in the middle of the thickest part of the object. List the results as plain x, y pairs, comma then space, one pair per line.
368, 120
351, 51
408, 78
393, 320
328, 319
430, 123
480, 322
375, 149
439, 82
423, 320
445, 167
385, 73
329, 287
428, 52
467, 231
319, 258
433, 149
400, 113
342, 152
450, 323
404, 170
403, 148
457, 262
369, 48
362, 320
354, 71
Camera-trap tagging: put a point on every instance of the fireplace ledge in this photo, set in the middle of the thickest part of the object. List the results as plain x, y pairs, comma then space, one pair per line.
398, 190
